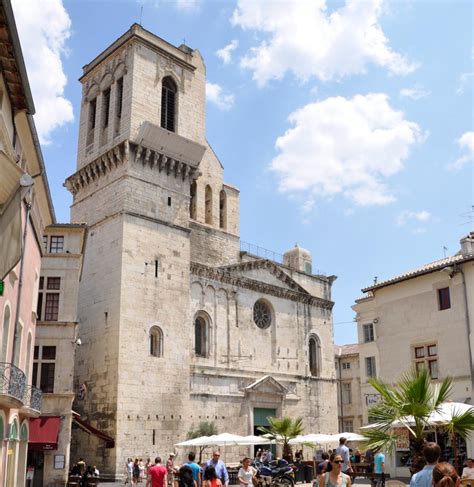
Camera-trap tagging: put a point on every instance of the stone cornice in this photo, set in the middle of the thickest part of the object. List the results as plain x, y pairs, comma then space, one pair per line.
225, 276
123, 153
268, 265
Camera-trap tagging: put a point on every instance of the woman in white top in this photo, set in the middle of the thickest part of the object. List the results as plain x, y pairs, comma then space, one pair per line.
246, 473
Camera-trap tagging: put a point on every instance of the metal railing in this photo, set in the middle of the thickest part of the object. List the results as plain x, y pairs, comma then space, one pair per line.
12, 381
261, 252
33, 398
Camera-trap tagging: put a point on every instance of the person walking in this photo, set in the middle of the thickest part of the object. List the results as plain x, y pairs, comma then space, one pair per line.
335, 477
210, 477
246, 474
468, 472
196, 469
157, 475
185, 477
141, 466
170, 468
343, 451
424, 478
219, 467
135, 473
379, 468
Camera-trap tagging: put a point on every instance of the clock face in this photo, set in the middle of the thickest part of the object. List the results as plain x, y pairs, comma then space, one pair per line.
262, 315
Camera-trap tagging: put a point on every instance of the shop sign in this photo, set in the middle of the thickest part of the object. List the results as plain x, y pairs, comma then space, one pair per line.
403, 439
371, 399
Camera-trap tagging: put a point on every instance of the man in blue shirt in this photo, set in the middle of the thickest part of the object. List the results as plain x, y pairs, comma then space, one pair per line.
424, 478
194, 467
344, 452
379, 467
220, 467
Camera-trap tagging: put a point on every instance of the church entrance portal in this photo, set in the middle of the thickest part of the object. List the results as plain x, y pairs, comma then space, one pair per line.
260, 418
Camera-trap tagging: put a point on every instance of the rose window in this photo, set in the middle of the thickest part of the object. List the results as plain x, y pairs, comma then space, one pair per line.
262, 315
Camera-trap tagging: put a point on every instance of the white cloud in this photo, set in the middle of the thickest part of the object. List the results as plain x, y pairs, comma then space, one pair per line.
226, 52
187, 5
216, 96
415, 92
407, 215
43, 28
464, 80
347, 147
304, 37
466, 144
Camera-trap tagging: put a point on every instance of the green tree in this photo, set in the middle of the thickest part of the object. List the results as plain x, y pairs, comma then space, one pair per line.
409, 404
205, 428
282, 430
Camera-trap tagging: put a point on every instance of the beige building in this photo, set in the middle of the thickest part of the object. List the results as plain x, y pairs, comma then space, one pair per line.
55, 344
25, 209
177, 325
348, 388
421, 318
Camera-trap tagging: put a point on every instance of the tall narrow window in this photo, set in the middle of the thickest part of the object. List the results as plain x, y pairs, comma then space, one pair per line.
105, 108
44, 368
119, 97
370, 369
51, 310
314, 356
444, 299
6, 332
192, 203
28, 356
168, 103
17, 344
200, 336
91, 121
208, 205
156, 342
223, 210
368, 332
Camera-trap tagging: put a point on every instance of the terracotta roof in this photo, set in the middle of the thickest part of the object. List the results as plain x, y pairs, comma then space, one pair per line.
351, 349
437, 265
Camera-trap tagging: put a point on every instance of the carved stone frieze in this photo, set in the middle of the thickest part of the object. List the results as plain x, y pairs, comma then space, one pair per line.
222, 274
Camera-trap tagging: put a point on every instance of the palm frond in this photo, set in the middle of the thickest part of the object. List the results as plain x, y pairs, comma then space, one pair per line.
377, 438
461, 424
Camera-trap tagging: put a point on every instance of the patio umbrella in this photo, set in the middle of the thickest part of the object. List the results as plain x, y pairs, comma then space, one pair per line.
350, 437
201, 441
447, 411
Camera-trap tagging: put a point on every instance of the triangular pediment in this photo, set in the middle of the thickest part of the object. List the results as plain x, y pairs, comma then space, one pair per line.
266, 271
267, 385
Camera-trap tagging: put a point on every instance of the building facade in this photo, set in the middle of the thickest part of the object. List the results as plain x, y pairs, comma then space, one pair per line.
177, 325
422, 318
25, 210
348, 388
53, 359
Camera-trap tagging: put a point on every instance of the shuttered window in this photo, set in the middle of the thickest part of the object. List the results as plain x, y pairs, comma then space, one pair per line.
168, 104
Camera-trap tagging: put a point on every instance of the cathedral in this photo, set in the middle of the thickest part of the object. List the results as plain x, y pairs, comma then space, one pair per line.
178, 325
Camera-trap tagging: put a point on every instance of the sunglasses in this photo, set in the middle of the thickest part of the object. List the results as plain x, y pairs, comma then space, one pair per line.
339, 461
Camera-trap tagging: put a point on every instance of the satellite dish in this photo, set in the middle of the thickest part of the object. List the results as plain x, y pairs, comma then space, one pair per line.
26, 181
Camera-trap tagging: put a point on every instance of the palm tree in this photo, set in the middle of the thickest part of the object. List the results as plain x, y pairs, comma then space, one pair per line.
409, 404
282, 430
205, 428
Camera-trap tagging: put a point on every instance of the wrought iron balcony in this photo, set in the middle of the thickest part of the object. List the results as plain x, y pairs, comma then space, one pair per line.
33, 398
12, 382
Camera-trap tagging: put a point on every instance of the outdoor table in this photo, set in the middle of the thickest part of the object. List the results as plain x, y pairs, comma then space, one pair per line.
467, 482
361, 466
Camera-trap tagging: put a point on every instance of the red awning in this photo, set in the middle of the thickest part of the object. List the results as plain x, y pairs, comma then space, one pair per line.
88, 428
44, 433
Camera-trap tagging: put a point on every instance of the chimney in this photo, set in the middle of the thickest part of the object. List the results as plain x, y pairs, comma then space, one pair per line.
467, 244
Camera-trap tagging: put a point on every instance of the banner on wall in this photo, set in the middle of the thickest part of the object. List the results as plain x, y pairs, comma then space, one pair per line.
403, 439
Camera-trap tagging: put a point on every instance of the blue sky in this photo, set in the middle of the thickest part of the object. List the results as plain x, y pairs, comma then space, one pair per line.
347, 126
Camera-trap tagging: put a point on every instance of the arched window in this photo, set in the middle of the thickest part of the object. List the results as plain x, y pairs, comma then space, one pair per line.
201, 328
156, 341
168, 103
314, 356
223, 209
208, 205
192, 203
6, 332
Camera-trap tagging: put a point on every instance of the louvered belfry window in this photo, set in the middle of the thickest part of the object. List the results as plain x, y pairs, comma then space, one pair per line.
168, 104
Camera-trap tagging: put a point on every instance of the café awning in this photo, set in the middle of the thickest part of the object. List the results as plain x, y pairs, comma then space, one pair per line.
44, 433
89, 429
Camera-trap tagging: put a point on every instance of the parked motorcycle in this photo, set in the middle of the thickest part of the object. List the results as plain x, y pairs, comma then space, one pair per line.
278, 473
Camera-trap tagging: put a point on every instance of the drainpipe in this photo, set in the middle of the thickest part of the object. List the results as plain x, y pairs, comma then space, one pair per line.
20, 277
340, 391
458, 268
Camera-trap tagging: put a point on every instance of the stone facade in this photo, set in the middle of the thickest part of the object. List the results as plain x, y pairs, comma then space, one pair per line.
167, 302
422, 318
348, 388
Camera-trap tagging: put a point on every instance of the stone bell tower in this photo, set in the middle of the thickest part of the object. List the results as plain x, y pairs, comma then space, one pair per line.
141, 144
